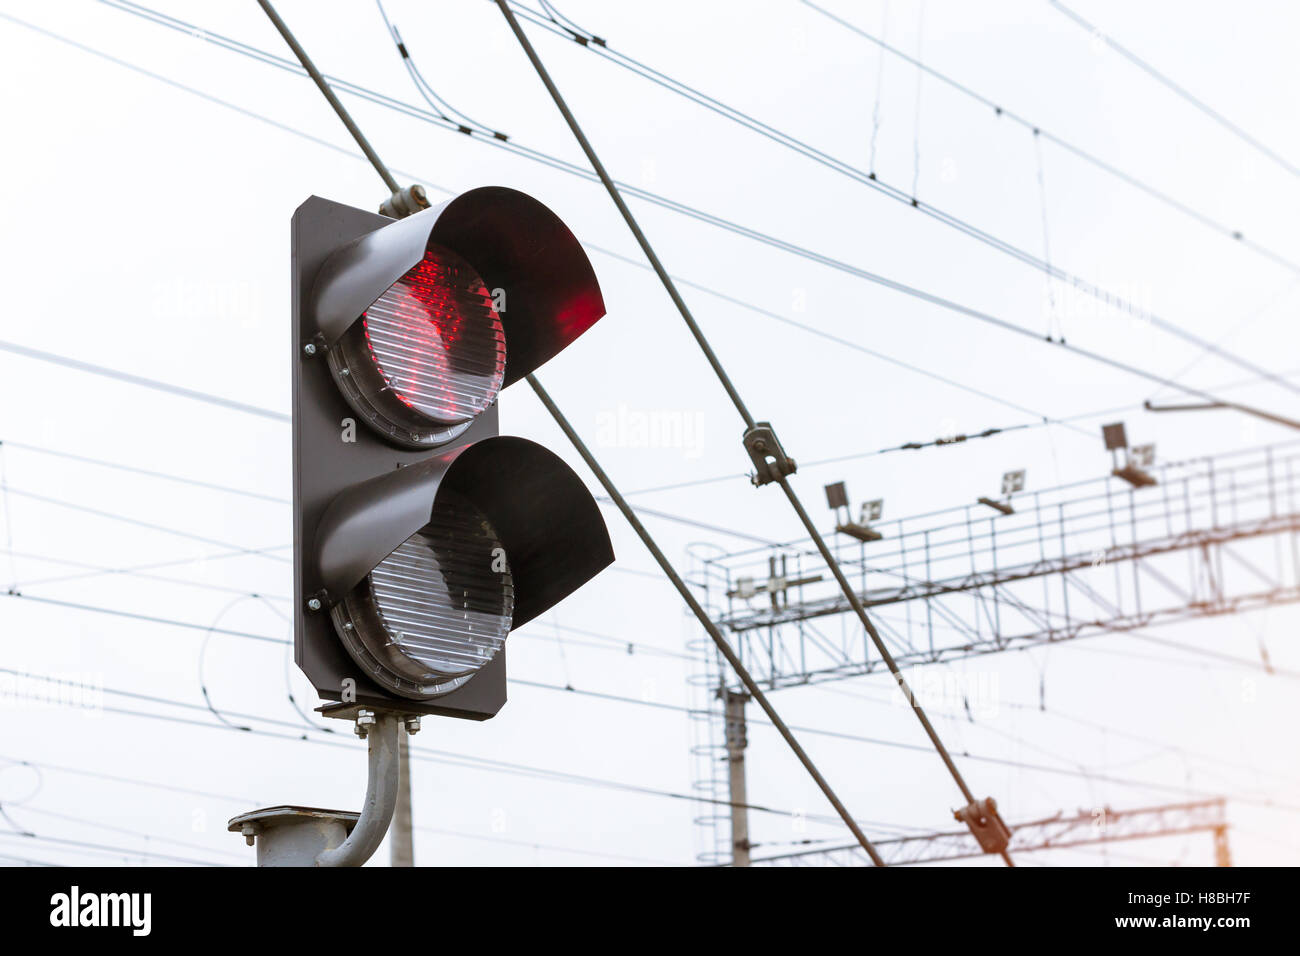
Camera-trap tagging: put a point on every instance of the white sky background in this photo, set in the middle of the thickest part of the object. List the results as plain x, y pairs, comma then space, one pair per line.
147, 229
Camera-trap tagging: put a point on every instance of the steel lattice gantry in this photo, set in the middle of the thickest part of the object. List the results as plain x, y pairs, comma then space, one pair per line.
1085, 828
1213, 536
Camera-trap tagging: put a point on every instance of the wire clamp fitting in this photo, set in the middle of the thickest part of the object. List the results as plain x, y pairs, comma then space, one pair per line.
985, 824
771, 463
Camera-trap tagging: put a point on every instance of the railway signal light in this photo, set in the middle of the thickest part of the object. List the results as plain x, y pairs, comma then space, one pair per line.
421, 536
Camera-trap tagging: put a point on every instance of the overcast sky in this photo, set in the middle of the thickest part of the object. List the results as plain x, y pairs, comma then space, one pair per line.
150, 176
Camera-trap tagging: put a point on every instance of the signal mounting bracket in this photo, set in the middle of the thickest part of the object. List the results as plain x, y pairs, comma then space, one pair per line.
351, 710
770, 460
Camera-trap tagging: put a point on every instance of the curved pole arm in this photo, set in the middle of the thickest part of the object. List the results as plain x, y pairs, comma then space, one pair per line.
381, 797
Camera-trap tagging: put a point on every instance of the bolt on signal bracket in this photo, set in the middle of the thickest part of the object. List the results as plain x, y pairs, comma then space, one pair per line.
363, 714
317, 346
771, 463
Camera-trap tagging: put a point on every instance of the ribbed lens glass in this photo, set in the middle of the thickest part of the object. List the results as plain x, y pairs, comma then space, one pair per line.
437, 609
439, 598
427, 357
436, 339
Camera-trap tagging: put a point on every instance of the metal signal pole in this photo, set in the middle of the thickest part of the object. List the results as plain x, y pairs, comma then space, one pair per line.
401, 849
737, 741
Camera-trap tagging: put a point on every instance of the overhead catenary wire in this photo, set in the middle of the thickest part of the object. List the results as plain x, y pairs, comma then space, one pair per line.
131, 379
610, 643
99, 569
112, 828
939, 442
124, 852
248, 636
147, 525
1153, 785
1245, 321
1052, 316
146, 472
907, 197
950, 441
29, 861
774, 315
328, 93
1086, 722
880, 88
916, 114
1092, 159
840, 340
547, 847
213, 486
621, 646
1177, 89
154, 785
703, 525
422, 85
1075, 770
227, 724
18, 830
277, 499
447, 832
147, 566
468, 760
8, 515
663, 202
550, 847
42, 764
993, 759
137, 616
481, 763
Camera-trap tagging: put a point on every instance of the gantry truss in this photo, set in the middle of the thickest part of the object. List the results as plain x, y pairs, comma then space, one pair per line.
1113, 555
1084, 828
1212, 536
